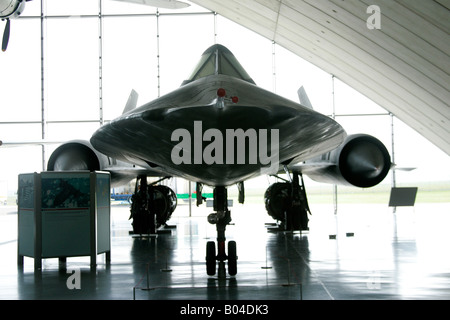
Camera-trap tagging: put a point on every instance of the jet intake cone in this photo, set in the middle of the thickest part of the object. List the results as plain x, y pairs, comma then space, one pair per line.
364, 162
73, 157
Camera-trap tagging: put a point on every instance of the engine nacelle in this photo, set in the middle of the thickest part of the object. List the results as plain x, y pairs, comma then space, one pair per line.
80, 155
361, 160
77, 155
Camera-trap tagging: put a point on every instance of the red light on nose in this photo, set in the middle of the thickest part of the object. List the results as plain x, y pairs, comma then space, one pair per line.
221, 93
235, 99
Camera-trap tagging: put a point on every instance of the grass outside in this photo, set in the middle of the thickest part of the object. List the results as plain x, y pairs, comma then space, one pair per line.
427, 193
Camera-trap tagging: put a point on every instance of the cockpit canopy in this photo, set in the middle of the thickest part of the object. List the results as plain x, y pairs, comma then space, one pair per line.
218, 60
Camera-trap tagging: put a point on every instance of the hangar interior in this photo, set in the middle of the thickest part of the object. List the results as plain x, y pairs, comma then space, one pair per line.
71, 65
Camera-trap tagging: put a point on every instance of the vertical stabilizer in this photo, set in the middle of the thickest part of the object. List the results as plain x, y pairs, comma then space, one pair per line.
303, 97
132, 101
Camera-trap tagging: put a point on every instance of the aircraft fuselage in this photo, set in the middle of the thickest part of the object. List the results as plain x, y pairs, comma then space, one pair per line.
193, 131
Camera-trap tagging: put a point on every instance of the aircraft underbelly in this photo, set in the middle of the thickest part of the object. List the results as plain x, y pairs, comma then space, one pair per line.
192, 133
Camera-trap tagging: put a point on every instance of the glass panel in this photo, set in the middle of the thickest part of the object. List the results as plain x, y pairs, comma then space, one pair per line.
412, 150
218, 60
293, 72
183, 39
14, 161
72, 69
252, 51
206, 67
201, 66
377, 126
350, 101
20, 67
20, 132
229, 65
71, 131
129, 62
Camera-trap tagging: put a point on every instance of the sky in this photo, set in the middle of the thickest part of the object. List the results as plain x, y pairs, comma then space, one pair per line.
130, 61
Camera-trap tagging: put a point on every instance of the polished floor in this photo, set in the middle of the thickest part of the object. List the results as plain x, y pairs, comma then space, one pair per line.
363, 252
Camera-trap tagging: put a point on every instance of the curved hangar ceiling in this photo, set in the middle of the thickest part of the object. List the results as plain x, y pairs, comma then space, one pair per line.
398, 58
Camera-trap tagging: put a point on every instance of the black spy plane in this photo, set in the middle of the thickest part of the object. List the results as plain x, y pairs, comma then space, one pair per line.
220, 129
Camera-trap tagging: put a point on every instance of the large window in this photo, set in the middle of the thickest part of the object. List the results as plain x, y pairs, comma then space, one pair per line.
81, 72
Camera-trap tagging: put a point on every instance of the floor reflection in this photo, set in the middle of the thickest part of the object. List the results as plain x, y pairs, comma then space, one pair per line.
375, 254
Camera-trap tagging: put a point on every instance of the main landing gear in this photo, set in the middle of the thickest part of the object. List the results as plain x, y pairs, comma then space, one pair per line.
287, 203
221, 218
151, 206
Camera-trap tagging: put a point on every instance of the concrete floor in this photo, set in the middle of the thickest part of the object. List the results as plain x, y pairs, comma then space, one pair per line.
376, 254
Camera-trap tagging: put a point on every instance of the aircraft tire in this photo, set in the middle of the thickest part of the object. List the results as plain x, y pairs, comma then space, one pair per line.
210, 258
232, 258
277, 200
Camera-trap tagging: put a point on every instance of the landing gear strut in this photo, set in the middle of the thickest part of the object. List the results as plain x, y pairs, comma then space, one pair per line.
221, 219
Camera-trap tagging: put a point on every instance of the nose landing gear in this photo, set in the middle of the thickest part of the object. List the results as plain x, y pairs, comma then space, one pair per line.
221, 219
211, 259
